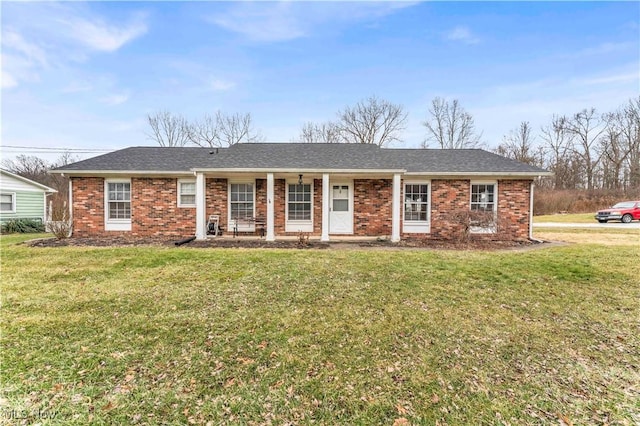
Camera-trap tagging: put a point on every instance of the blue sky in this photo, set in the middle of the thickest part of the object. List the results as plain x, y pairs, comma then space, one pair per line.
85, 75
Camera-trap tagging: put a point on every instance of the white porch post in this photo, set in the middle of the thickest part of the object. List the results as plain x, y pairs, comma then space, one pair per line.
325, 207
201, 232
395, 209
271, 235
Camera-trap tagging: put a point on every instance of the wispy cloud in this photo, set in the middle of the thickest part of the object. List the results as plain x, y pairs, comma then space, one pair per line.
605, 48
77, 87
8, 81
115, 99
462, 34
608, 79
282, 21
219, 85
72, 31
98, 35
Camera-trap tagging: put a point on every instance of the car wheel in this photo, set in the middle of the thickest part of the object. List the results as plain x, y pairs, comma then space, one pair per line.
602, 221
627, 218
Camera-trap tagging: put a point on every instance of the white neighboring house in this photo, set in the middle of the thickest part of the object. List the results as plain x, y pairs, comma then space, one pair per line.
22, 198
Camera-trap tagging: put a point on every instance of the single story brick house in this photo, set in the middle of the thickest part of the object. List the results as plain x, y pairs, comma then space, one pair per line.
329, 191
22, 198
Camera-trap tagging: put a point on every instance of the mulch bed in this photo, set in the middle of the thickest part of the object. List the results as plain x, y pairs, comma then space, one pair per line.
120, 241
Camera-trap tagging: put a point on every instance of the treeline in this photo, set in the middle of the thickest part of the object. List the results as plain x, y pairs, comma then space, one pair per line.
587, 150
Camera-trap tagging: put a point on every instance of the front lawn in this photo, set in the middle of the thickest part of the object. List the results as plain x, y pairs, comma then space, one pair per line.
183, 335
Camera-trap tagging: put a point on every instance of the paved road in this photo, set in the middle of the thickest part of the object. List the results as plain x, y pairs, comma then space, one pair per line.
608, 225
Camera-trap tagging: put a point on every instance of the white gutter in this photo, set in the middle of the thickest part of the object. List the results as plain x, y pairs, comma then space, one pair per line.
294, 170
99, 173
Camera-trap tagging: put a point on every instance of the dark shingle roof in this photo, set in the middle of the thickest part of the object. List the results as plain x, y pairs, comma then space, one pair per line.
302, 156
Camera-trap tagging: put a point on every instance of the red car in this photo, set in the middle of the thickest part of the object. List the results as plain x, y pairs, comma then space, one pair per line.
625, 212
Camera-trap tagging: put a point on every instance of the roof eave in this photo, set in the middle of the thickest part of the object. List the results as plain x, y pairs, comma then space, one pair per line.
293, 170
471, 174
45, 188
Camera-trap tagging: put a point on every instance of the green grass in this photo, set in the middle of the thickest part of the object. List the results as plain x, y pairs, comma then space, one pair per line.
566, 218
179, 335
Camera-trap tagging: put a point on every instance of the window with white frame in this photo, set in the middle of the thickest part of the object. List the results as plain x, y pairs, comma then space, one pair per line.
416, 202
299, 202
119, 200
484, 206
483, 197
7, 202
241, 200
416, 207
186, 193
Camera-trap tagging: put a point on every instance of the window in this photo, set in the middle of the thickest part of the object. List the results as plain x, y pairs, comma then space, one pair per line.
483, 207
416, 202
7, 203
186, 193
119, 199
241, 200
299, 199
483, 197
417, 214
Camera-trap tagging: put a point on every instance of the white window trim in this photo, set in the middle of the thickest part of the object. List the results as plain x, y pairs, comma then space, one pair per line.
13, 202
417, 226
241, 227
296, 225
491, 229
116, 224
180, 182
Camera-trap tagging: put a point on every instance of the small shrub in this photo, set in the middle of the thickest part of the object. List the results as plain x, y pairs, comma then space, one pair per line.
61, 229
466, 220
303, 239
22, 226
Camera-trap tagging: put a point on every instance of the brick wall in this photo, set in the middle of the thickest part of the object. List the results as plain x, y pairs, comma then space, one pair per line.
88, 206
513, 208
372, 205
216, 200
447, 196
155, 211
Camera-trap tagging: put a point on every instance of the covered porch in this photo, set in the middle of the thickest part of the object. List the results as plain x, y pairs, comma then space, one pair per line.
324, 205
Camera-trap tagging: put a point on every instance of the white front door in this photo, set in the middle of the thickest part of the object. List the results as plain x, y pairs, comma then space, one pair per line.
341, 209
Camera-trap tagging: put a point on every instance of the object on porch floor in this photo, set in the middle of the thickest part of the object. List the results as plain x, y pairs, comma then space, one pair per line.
213, 225
251, 224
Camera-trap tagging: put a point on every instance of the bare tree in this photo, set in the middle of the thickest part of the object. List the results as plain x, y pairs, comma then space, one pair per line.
236, 128
614, 151
204, 132
559, 148
630, 134
587, 126
28, 166
168, 129
328, 132
450, 126
519, 145
372, 121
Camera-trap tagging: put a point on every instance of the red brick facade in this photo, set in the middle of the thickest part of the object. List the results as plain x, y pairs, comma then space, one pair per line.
155, 211
372, 207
